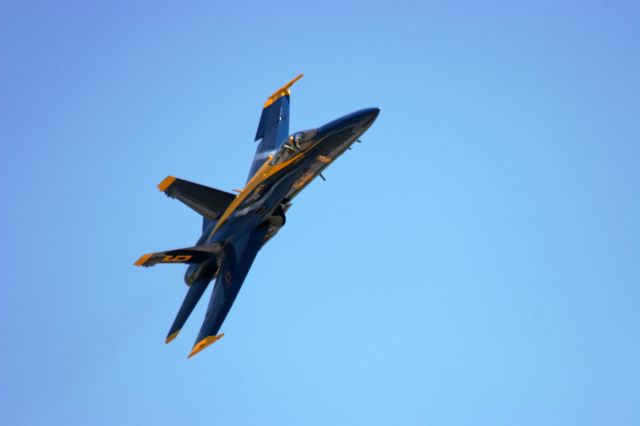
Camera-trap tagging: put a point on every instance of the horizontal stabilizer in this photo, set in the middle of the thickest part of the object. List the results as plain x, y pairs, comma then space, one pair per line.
195, 254
209, 202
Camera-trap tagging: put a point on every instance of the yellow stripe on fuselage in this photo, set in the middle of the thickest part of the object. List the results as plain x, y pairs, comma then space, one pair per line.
264, 173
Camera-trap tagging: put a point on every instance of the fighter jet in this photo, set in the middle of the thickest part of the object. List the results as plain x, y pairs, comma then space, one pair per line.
236, 226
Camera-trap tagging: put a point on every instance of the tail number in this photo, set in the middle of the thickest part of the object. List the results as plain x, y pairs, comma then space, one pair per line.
179, 258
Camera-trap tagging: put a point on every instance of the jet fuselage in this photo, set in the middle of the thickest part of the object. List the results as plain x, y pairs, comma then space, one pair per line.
284, 173
236, 226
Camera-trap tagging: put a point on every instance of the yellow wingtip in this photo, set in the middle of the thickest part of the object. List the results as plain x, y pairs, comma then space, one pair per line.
283, 91
143, 259
204, 343
172, 336
166, 183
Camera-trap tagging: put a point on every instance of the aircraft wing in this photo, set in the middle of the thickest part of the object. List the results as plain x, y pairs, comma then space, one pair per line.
235, 266
209, 202
195, 254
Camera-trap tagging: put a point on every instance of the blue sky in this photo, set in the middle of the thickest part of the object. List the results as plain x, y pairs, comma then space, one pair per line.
475, 261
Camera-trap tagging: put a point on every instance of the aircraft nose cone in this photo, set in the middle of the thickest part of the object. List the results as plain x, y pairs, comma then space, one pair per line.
358, 121
371, 112
364, 117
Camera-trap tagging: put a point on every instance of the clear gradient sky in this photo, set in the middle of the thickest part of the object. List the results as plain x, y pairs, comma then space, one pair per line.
476, 261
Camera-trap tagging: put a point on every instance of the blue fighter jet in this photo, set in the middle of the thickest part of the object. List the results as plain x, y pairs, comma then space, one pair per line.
236, 226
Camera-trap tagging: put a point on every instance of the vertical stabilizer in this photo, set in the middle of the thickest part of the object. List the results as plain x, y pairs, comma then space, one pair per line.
273, 128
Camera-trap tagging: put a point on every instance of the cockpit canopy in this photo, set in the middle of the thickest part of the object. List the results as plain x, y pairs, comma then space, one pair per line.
295, 144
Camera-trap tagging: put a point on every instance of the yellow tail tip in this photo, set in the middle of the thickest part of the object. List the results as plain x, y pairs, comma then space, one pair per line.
283, 91
172, 336
166, 183
204, 343
143, 259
